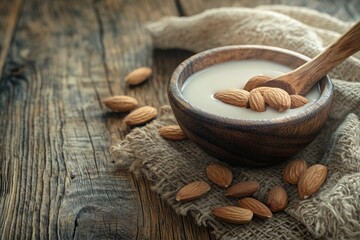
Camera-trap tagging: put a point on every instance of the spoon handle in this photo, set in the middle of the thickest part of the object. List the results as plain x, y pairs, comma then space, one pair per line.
318, 67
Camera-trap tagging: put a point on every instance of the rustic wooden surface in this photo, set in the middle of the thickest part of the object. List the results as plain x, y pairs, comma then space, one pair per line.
58, 59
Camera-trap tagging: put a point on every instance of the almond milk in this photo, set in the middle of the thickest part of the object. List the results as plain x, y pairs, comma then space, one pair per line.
200, 87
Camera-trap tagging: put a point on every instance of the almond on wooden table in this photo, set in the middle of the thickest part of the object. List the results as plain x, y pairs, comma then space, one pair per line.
277, 98
294, 170
277, 199
219, 174
242, 189
138, 75
256, 101
140, 116
232, 214
237, 97
258, 208
312, 180
192, 191
121, 103
298, 101
172, 132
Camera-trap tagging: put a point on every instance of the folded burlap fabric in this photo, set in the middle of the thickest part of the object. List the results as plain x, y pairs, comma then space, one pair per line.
334, 212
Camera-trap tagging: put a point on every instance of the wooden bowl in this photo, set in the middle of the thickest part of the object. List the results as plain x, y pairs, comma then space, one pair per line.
248, 142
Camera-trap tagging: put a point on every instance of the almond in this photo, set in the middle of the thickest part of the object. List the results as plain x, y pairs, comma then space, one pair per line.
312, 180
294, 170
298, 101
277, 199
242, 189
262, 89
138, 75
277, 98
258, 208
140, 116
255, 82
256, 101
237, 97
219, 174
121, 103
172, 132
192, 191
231, 214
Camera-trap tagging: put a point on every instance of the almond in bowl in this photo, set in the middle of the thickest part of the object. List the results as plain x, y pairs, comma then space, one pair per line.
238, 134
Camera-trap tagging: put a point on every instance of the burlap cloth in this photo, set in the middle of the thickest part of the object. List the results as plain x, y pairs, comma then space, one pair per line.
334, 212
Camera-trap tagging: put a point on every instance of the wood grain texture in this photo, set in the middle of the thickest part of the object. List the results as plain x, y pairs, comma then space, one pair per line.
57, 178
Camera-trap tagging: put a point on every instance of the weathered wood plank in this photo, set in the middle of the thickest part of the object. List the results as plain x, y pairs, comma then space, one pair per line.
345, 10
57, 179
9, 11
158, 220
47, 137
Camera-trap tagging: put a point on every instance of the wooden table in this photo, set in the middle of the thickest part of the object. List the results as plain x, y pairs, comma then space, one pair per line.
58, 60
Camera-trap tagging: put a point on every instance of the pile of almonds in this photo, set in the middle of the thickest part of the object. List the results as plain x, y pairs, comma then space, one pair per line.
257, 98
138, 115
308, 181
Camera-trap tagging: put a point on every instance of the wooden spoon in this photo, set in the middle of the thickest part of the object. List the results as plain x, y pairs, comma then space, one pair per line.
303, 78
